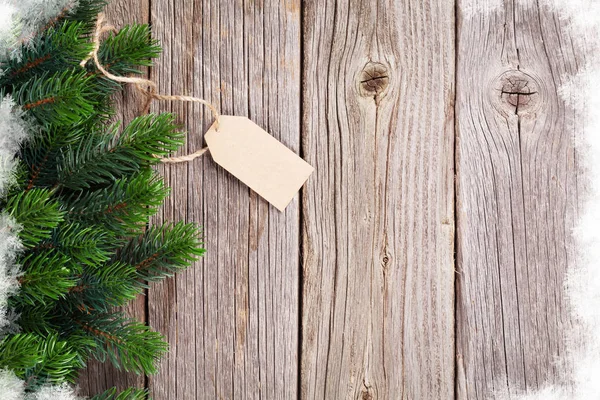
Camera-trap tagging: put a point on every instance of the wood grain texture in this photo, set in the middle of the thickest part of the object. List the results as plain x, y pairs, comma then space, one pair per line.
378, 283
374, 233
232, 319
516, 197
101, 376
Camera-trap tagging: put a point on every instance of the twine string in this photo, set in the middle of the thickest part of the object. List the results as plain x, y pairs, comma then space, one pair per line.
147, 87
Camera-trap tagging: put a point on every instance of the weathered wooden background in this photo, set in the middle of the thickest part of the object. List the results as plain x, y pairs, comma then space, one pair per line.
424, 259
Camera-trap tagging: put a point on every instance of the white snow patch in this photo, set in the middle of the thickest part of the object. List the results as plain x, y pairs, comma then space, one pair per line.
13, 131
10, 246
7, 17
23, 19
11, 387
62, 392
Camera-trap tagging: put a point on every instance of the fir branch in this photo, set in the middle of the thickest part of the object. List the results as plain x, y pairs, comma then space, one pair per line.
100, 289
123, 207
63, 98
58, 18
123, 53
128, 394
36, 318
37, 212
161, 251
84, 190
28, 66
87, 245
86, 12
60, 363
128, 344
58, 49
42, 151
39, 359
47, 277
100, 159
20, 352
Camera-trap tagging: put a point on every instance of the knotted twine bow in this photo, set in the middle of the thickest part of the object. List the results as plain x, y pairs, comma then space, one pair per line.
141, 84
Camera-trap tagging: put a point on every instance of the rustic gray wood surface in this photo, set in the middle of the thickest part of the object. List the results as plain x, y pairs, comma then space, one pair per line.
516, 197
355, 292
378, 270
232, 320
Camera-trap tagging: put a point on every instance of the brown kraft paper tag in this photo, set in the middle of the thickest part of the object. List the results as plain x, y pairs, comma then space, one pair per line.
257, 159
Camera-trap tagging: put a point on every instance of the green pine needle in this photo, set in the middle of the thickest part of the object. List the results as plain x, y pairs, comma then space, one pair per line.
126, 343
20, 352
128, 394
37, 212
48, 277
60, 98
59, 48
100, 159
57, 362
86, 12
130, 48
88, 245
100, 289
123, 207
163, 250
45, 359
42, 152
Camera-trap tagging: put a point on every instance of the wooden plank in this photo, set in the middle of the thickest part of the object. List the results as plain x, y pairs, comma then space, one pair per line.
378, 298
171, 73
231, 320
101, 376
516, 196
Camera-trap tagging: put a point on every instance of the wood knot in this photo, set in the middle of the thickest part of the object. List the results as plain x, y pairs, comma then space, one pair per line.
366, 393
386, 261
374, 79
516, 92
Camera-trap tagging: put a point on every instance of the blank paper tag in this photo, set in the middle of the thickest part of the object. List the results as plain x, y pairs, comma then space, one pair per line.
258, 159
